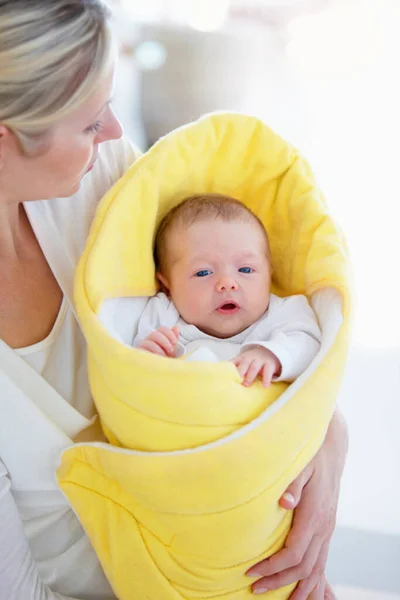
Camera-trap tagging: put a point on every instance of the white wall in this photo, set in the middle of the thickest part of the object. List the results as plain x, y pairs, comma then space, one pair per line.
352, 90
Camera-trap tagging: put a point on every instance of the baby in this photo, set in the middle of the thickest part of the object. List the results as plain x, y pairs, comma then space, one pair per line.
214, 265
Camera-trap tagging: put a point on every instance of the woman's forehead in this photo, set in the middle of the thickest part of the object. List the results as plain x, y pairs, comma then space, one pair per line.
95, 104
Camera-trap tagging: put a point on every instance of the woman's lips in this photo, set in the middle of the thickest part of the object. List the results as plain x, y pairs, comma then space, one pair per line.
90, 167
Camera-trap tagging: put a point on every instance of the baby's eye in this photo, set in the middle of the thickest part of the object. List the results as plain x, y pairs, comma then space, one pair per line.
246, 270
203, 273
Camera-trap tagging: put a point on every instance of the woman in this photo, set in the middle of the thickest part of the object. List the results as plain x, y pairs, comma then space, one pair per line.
60, 151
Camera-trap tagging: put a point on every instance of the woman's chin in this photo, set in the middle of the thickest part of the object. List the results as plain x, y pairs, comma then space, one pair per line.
85, 172
73, 188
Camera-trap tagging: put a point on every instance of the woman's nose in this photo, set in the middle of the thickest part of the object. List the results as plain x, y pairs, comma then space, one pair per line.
227, 284
112, 128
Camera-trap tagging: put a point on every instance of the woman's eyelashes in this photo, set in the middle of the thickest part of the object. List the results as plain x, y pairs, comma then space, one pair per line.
99, 125
95, 128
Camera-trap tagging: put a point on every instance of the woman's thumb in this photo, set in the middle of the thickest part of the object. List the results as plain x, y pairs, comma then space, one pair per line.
292, 496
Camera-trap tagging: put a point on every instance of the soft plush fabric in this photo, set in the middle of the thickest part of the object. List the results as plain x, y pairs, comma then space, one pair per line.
185, 498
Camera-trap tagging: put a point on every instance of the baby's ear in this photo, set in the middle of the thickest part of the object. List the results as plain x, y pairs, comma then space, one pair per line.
164, 283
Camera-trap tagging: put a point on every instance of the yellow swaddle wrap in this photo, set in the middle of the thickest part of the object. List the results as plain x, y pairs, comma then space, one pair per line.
185, 498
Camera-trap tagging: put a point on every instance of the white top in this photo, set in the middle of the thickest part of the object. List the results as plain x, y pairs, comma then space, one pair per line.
45, 401
289, 329
51, 358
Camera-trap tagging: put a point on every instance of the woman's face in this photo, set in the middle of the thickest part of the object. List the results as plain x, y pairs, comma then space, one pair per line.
69, 154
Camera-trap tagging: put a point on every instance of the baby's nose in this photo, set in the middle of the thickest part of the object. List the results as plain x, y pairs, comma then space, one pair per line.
227, 284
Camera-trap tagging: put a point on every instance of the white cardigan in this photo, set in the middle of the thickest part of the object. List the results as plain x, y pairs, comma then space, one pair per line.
44, 402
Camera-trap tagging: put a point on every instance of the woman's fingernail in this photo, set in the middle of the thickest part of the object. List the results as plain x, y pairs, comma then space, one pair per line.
260, 590
289, 497
253, 574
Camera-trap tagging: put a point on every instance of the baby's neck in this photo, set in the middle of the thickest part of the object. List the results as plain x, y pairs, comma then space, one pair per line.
220, 335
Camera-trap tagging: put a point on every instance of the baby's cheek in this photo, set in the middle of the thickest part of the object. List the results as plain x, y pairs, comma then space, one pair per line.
185, 301
198, 306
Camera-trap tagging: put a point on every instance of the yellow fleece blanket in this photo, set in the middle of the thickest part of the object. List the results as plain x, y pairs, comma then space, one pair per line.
185, 498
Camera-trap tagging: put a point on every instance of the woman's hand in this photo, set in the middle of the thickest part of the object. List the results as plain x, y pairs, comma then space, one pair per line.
314, 496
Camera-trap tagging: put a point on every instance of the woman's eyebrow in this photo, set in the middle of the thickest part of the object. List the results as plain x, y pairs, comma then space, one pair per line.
104, 106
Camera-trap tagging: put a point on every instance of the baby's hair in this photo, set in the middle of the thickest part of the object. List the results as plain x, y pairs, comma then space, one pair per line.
202, 207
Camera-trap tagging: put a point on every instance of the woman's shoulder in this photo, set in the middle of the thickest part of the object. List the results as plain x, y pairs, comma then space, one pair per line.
72, 217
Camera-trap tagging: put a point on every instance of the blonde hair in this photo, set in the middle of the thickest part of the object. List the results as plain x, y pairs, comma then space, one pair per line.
52, 54
203, 207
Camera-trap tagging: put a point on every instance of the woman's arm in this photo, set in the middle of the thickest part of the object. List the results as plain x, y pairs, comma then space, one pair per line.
314, 495
19, 577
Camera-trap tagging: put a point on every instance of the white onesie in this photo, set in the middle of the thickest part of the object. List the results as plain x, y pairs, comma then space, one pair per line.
289, 329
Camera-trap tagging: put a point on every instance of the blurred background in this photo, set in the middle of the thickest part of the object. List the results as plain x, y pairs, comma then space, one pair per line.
325, 75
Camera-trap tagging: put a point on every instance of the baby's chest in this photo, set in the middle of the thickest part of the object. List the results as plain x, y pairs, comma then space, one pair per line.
223, 349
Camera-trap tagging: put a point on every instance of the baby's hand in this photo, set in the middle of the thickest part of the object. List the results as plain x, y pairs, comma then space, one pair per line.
257, 361
162, 342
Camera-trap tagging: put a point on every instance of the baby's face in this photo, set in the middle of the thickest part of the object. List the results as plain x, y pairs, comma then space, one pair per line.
218, 275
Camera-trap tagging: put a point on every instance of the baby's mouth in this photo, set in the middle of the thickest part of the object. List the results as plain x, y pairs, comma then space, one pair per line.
228, 307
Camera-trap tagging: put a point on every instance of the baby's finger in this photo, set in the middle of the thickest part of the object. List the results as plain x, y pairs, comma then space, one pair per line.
241, 359
242, 363
267, 374
169, 334
176, 332
161, 339
252, 372
152, 347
